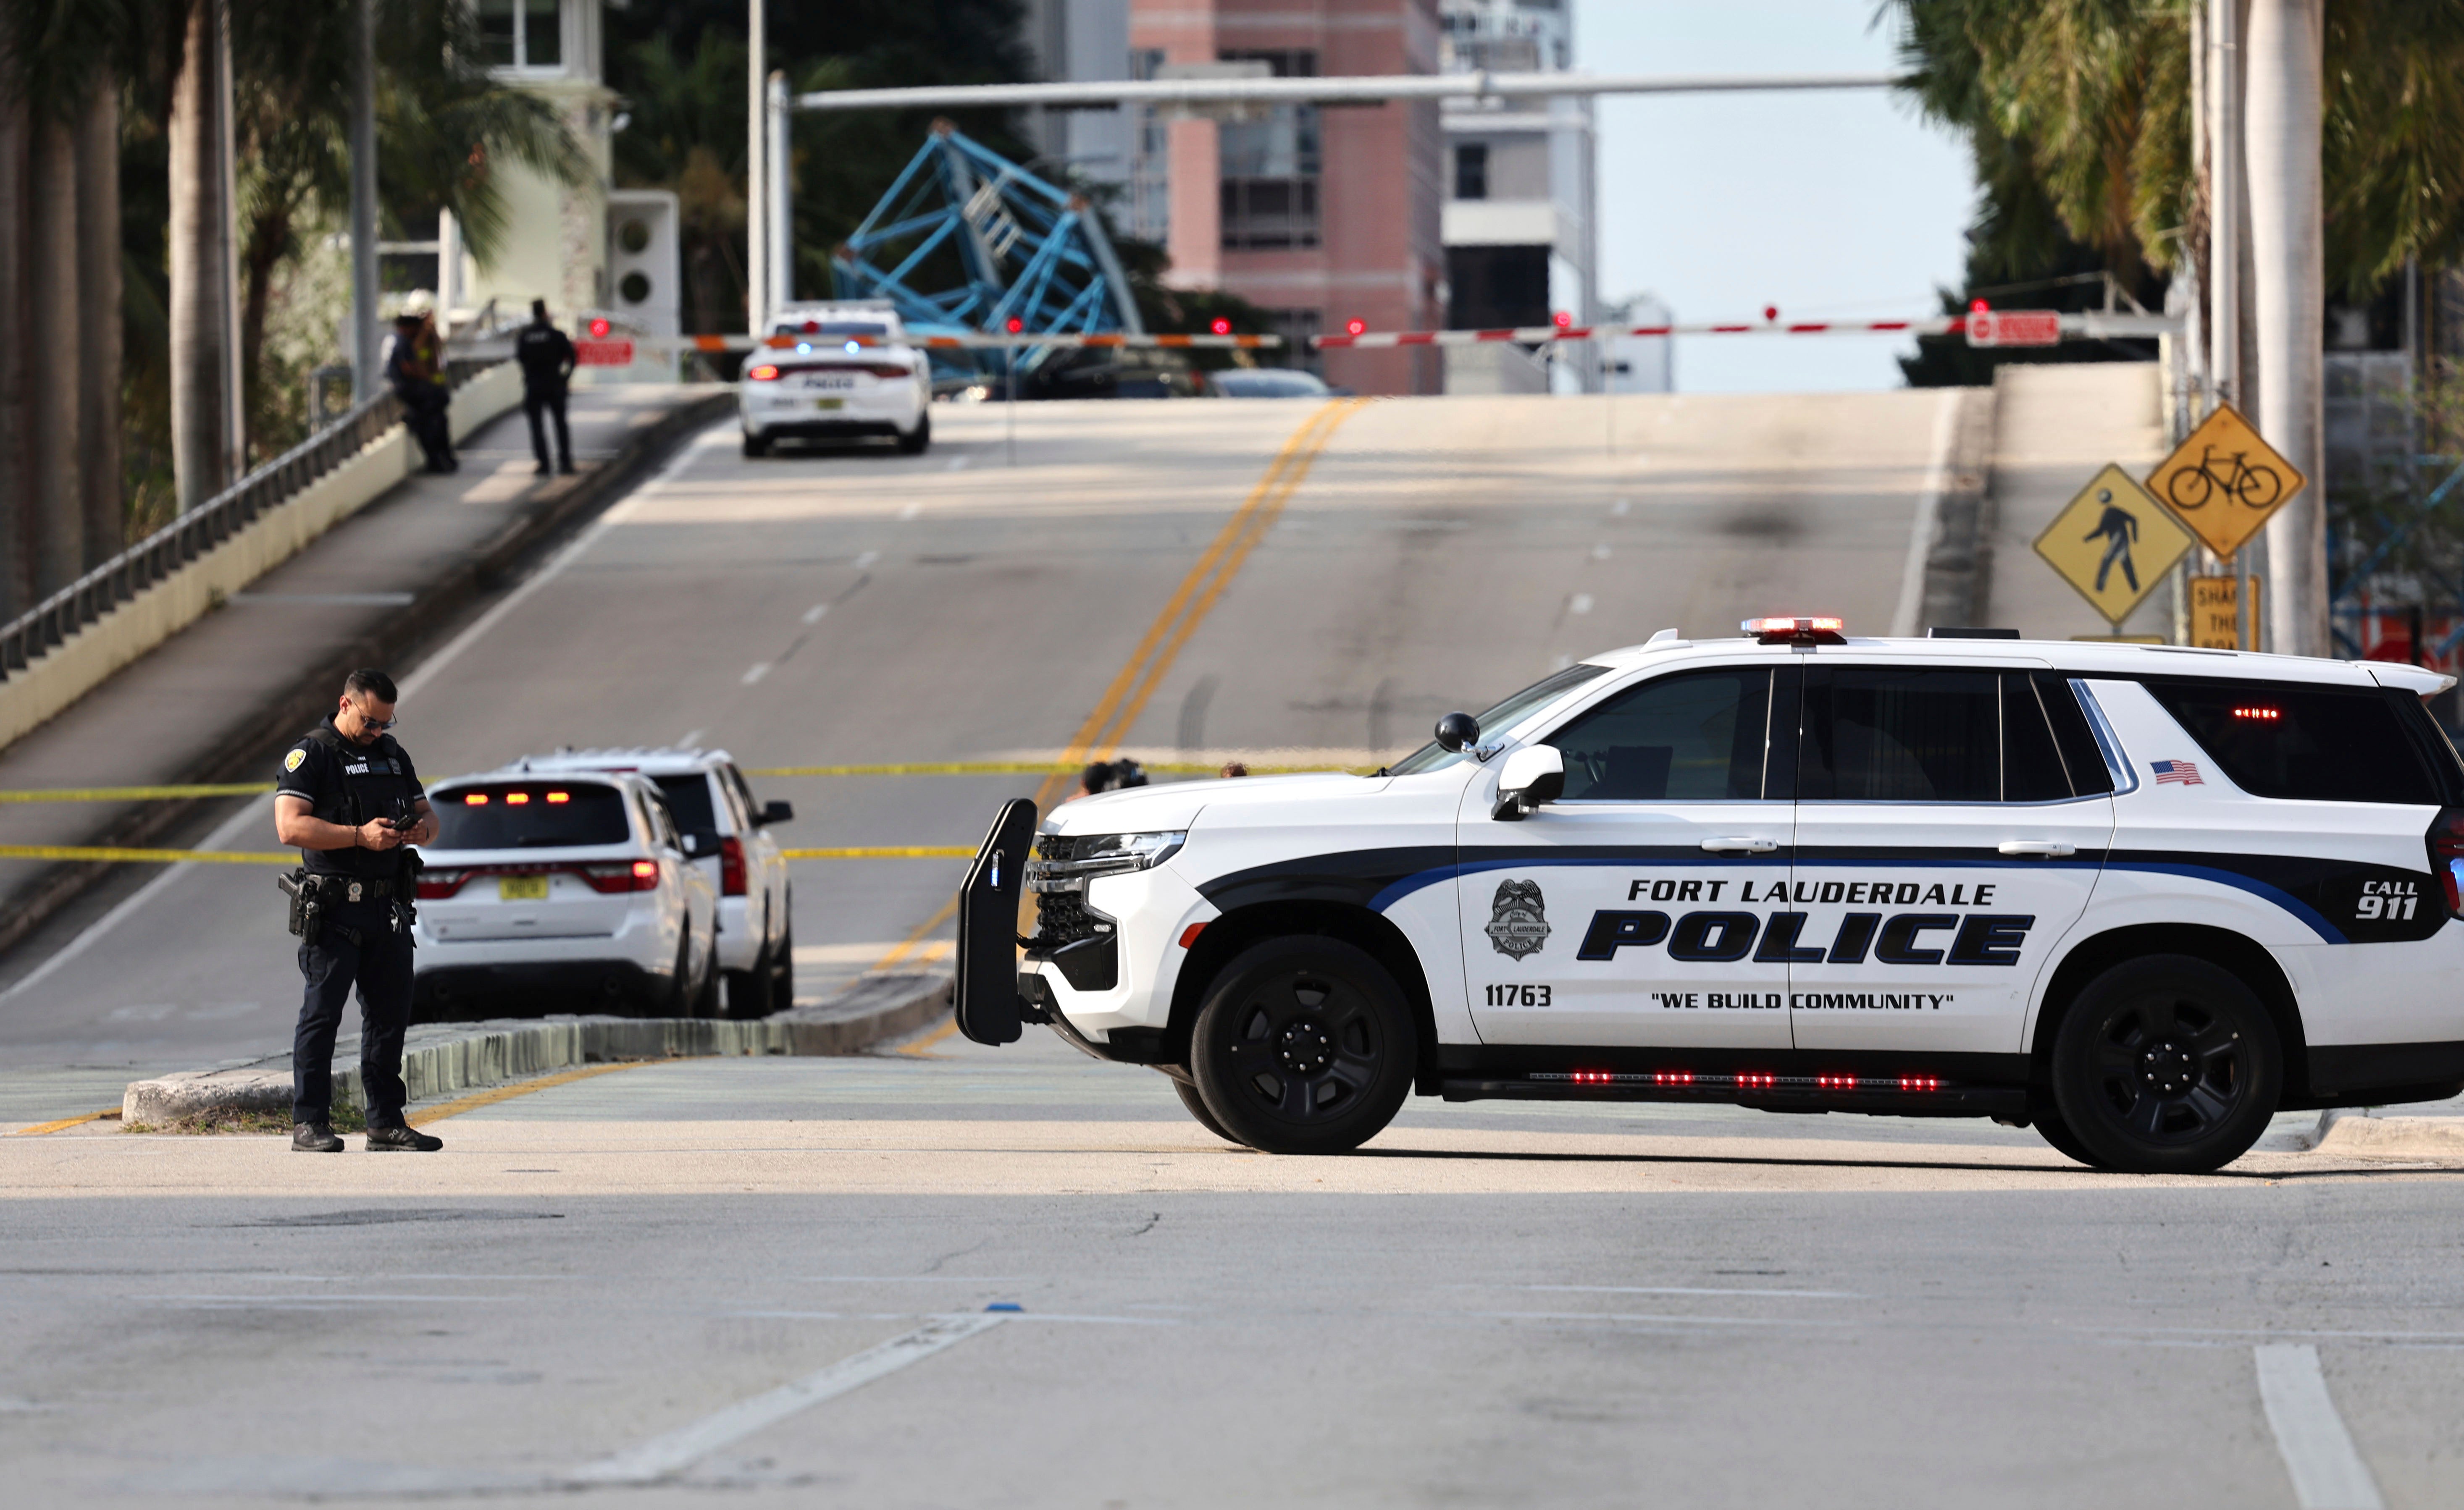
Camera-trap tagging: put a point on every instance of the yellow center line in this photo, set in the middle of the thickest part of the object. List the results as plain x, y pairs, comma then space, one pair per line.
948, 910
921, 1047
490, 1097
65, 1123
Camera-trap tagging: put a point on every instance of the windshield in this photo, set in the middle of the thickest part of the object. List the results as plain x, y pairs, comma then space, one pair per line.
1499, 719
868, 330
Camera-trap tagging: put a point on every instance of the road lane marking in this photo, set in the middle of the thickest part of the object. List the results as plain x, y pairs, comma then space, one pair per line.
2327, 1470
1650, 1319
1928, 517
866, 560
759, 670
921, 1048
64, 1124
137, 794
813, 615
118, 855
1580, 602
885, 852
495, 1094
1190, 602
1682, 1289
664, 1456
947, 910
911, 509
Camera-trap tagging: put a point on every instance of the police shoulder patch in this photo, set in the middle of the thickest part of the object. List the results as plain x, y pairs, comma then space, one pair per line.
291, 761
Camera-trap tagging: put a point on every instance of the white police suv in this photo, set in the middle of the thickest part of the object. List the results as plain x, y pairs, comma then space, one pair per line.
2138, 896
836, 371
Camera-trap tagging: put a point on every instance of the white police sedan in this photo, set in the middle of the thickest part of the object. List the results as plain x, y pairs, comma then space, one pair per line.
836, 371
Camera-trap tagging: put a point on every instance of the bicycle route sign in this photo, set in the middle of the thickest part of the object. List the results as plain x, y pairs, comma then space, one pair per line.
2224, 481
2113, 544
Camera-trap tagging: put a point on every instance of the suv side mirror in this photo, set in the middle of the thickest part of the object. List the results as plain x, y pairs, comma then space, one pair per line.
1457, 733
1531, 776
776, 812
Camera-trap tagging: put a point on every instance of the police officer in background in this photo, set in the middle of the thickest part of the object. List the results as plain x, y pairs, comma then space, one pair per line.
350, 802
547, 359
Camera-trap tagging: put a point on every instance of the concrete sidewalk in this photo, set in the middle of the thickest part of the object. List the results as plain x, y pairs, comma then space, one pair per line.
212, 703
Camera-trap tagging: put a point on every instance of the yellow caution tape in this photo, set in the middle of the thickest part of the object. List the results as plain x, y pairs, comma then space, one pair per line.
161, 793
1030, 767
234, 857
166, 857
885, 852
137, 794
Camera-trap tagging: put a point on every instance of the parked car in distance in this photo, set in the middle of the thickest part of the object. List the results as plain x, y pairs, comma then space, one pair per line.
1271, 382
1113, 372
570, 892
727, 833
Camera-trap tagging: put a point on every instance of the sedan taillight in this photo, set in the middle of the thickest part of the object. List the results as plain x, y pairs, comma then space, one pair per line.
731, 867
436, 886
2447, 857
622, 875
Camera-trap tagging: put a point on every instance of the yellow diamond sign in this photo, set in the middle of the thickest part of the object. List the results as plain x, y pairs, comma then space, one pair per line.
2113, 543
2224, 481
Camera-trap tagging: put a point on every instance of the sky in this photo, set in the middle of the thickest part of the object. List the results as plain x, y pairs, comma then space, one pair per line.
1838, 204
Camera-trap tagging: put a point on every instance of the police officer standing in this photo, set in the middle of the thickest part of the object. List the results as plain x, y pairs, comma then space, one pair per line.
350, 802
547, 359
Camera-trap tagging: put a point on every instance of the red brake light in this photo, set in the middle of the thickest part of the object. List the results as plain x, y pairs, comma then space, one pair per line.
2262, 713
764, 373
619, 876
436, 886
2447, 857
1797, 630
731, 867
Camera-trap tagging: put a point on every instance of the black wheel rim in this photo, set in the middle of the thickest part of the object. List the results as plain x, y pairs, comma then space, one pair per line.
1304, 1047
2171, 1070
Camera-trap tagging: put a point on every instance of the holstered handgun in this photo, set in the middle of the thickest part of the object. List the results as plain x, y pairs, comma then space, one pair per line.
307, 904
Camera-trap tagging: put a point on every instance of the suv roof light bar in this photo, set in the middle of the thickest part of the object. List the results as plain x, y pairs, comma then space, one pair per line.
1968, 632
1799, 631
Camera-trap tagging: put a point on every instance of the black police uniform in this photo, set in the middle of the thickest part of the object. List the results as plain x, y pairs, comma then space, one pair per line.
546, 359
364, 938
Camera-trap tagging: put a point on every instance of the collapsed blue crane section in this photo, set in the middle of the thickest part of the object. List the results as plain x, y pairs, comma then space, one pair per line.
1028, 255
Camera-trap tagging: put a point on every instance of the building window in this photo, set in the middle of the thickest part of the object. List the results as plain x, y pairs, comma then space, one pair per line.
1150, 208
1269, 167
1472, 170
520, 34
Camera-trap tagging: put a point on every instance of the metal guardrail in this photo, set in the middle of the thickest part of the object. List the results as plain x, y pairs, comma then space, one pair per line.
32, 634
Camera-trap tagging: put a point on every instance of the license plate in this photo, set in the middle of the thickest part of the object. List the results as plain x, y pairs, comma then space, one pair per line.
521, 888
829, 404
841, 384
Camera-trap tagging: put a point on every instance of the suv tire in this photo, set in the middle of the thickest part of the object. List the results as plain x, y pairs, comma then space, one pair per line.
1196, 1104
1304, 1045
913, 442
780, 983
755, 445
2167, 1065
705, 1001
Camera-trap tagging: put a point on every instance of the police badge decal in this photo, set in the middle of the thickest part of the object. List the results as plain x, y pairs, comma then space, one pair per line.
1517, 923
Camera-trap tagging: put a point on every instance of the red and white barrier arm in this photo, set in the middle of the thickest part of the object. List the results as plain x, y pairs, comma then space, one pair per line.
2072, 327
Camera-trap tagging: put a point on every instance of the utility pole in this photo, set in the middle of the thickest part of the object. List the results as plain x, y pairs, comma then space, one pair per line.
365, 374
2224, 176
756, 207
2289, 288
782, 223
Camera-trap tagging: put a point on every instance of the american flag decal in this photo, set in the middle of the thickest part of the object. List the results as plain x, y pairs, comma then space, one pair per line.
2182, 771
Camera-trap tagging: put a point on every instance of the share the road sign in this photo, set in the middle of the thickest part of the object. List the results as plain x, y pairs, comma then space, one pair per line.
2224, 481
2113, 543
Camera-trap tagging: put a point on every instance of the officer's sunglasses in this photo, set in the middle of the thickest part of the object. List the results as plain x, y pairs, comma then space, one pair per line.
376, 726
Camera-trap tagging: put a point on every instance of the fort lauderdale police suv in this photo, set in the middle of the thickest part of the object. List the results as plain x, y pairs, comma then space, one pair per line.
2140, 897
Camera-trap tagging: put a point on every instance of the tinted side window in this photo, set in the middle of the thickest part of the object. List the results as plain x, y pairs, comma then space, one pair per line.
688, 802
1692, 738
1893, 734
2032, 765
2082, 757
2309, 743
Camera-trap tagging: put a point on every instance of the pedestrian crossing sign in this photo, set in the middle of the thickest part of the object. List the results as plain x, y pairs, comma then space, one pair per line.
2114, 542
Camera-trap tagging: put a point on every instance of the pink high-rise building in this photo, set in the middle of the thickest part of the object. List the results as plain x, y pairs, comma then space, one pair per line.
1323, 214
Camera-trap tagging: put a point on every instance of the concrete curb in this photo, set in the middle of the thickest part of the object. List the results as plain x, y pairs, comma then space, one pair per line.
1960, 565
249, 753
445, 1059
2361, 1130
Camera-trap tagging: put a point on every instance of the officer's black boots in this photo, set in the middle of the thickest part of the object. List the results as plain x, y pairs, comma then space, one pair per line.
313, 1137
409, 1140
